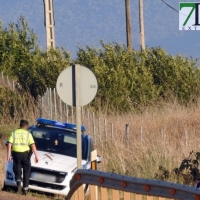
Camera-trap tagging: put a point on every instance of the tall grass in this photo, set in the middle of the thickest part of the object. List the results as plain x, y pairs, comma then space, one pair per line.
158, 136
17, 105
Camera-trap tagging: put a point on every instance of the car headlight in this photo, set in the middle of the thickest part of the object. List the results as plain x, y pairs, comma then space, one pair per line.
9, 176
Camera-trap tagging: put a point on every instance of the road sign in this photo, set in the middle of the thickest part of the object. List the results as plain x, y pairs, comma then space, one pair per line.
66, 86
77, 86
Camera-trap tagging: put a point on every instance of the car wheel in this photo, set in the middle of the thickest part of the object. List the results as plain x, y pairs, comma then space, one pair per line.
5, 187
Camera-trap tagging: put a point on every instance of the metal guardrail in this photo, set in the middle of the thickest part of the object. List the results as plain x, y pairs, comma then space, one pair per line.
134, 185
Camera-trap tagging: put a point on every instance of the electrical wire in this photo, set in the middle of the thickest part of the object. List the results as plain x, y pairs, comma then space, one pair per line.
170, 6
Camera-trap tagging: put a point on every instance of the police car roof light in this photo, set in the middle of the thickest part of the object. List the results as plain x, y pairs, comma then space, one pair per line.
58, 124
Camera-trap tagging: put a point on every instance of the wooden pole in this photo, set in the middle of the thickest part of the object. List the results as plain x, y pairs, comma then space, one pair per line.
141, 19
49, 23
128, 25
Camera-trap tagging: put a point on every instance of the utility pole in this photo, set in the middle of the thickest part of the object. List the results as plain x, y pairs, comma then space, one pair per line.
128, 25
49, 23
141, 19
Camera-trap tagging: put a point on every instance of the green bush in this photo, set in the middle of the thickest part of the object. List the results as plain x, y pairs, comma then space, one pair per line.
21, 58
131, 79
127, 80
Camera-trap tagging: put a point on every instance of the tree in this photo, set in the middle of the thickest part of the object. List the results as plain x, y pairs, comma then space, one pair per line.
21, 58
134, 79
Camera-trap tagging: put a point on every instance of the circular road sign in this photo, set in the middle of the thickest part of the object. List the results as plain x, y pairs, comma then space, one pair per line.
66, 86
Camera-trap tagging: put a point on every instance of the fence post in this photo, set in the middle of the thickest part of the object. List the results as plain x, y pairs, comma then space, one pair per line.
186, 138
8, 82
61, 110
48, 110
72, 111
99, 129
93, 123
162, 135
41, 111
88, 120
105, 131
67, 112
50, 101
13, 85
141, 133
82, 115
127, 134
55, 109
112, 134
44, 104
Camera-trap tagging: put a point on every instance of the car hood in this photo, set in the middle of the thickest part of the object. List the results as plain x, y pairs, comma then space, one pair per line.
55, 162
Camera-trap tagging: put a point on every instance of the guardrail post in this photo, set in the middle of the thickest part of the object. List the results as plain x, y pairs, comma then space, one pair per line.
127, 195
115, 194
104, 194
94, 189
138, 197
150, 198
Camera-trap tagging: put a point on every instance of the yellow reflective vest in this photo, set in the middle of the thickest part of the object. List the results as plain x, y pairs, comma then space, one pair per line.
21, 140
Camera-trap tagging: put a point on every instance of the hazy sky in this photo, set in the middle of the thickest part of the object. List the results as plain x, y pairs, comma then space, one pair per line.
87, 21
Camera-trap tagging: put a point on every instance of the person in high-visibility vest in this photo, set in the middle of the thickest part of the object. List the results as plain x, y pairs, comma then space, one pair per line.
21, 142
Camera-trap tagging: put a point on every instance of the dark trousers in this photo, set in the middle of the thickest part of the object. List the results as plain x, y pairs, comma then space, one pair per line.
21, 160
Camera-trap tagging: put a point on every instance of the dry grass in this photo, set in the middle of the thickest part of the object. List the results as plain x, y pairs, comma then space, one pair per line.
160, 136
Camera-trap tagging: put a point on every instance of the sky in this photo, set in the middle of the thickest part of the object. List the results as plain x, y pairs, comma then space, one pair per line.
86, 22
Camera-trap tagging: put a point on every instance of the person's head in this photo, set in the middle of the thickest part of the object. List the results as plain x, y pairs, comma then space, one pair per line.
198, 179
24, 124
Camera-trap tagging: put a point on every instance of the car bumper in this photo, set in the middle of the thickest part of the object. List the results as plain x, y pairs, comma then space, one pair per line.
48, 190
64, 191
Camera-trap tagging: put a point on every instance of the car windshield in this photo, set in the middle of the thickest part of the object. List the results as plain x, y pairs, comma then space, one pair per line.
57, 141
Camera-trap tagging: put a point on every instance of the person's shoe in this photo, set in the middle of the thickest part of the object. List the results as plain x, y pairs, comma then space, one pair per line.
19, 187
24, 192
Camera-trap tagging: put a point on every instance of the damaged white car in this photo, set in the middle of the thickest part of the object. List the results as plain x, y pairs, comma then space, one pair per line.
56, 145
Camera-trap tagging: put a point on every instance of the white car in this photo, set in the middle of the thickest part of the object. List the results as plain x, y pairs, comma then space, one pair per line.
56, 145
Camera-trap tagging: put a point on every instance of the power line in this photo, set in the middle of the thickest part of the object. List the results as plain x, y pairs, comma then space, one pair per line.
170, 6
173, 8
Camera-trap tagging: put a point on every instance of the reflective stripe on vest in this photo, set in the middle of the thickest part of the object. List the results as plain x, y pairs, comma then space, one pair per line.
20, 144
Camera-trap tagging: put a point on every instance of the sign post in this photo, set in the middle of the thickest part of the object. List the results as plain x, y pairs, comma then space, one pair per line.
77, 87
78, 115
